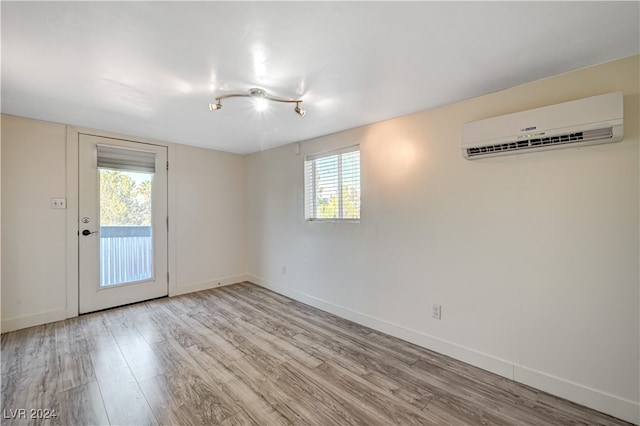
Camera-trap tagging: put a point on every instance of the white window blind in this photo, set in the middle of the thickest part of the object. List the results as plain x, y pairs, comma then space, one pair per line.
332, 185
115, 157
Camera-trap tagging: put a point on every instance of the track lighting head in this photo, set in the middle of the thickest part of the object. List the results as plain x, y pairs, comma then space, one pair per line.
257, 93
261, 97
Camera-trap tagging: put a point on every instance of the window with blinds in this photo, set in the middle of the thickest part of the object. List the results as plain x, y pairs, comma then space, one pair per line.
332, 185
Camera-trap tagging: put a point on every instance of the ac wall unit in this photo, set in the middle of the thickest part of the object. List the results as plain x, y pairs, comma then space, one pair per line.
587, 121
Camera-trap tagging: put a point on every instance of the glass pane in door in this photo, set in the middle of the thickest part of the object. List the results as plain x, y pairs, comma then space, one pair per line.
126, 240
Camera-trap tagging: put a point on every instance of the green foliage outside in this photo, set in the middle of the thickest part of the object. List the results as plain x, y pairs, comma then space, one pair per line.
123, 200
328, 208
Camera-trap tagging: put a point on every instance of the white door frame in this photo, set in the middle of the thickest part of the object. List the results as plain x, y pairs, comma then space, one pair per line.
73, 220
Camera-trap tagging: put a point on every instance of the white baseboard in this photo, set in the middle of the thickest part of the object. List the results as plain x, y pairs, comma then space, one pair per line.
479, 359
208, 284
593, 398
584, 395
12, 324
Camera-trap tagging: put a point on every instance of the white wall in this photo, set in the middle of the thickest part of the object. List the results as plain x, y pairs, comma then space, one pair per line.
210, 205
207, 206
534, 257
33, 235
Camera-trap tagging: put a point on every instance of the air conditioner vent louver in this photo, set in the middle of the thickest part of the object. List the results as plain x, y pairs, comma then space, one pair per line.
590, 135
589, 121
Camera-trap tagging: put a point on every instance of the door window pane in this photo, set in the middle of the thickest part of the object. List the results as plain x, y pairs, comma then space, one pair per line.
126, 238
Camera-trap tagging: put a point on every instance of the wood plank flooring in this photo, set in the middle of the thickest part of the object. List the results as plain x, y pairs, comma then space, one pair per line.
242, 355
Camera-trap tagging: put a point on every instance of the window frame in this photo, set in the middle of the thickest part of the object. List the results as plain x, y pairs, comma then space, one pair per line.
340, 152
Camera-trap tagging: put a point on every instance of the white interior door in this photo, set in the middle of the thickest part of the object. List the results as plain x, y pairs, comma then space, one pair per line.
122, 227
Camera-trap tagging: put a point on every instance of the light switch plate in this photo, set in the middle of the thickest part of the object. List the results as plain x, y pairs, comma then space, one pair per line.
436, 311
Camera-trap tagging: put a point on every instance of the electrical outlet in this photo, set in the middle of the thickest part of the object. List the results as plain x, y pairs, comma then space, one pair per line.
58, 203
436, 311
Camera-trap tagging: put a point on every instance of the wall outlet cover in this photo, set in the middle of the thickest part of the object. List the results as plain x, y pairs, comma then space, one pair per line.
58, 203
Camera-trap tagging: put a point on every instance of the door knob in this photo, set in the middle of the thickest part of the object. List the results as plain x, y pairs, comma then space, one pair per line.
87, 232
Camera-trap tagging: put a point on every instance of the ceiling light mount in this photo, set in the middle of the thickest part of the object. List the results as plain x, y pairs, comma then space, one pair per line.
259, 95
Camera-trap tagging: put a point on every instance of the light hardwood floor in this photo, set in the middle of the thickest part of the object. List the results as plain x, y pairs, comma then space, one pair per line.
242, 355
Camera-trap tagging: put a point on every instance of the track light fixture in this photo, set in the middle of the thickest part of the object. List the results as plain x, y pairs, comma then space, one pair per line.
260, 96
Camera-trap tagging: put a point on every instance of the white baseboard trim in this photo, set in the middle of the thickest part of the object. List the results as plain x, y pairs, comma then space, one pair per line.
584, 395
593, 398
209, 284
479, 359
12, 324
18, 323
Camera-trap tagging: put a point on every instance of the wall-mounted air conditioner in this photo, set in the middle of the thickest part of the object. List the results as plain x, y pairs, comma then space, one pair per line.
588, 121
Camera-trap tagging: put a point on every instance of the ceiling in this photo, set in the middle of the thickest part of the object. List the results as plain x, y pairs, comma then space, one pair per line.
150, 69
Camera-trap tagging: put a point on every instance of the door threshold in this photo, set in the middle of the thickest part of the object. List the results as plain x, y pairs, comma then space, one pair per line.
122, 306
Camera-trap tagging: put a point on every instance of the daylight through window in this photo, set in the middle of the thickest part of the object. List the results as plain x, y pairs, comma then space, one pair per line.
332, 185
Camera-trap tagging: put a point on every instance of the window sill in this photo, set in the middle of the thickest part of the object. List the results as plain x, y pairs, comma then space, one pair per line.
332, 220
